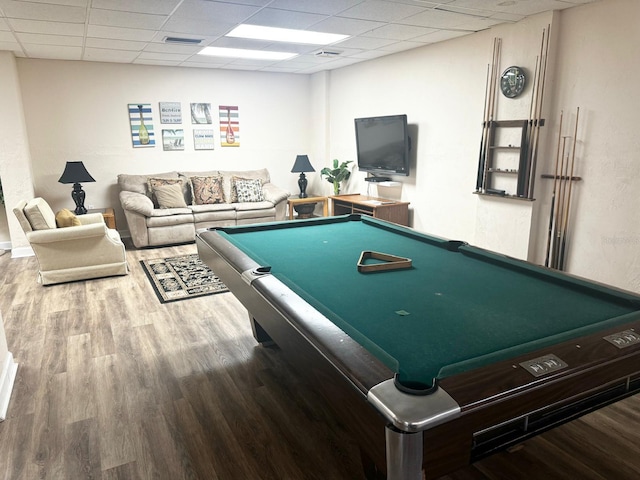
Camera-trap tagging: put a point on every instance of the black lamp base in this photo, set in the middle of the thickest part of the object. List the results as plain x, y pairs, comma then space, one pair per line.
78, 196
302, 183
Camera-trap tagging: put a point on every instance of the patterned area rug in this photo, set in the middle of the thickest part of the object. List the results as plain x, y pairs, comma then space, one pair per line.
182, 277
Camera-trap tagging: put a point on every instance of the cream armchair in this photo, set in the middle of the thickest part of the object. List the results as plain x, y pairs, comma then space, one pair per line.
90, 250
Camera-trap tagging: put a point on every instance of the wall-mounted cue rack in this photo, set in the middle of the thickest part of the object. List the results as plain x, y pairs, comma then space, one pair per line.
516, 159
516, 156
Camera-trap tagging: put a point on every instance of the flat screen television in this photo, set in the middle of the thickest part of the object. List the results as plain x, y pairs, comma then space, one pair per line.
382, 145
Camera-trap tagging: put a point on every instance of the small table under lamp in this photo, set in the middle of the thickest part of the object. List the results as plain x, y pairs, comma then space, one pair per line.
75, 172
302, 165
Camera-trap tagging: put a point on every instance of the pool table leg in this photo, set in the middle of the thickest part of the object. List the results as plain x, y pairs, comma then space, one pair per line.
404, 454
259, 333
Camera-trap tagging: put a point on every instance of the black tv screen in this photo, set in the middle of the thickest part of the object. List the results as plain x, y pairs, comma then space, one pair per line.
382, 145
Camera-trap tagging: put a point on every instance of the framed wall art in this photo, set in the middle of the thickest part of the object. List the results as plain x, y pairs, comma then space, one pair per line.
141, 123
170, 112
229, 126
173, 140
201, 113
203, 139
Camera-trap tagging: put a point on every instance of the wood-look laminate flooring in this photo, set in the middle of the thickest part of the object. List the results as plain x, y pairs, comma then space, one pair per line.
114, 385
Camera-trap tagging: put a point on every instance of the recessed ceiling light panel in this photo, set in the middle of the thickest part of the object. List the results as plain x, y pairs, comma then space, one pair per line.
242, 53
257, 32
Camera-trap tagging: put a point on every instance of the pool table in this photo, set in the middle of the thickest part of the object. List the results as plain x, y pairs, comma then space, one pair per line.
434, 366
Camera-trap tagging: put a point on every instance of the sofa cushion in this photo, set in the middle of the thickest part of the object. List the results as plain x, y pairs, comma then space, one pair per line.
169, 196
66, 218
207, 190
228, 176
249, 190
155, 182
39, 214
139, 183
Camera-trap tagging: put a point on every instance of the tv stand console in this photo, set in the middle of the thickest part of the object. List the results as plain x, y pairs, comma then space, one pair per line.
382, 208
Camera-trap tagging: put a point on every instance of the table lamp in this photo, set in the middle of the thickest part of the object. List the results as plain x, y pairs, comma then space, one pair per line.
302, 165
75, 172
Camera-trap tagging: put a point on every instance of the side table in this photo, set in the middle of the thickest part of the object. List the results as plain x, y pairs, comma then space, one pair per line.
108, 214
295, 202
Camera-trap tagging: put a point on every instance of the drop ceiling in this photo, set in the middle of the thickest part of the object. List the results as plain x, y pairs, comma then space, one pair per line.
134, 31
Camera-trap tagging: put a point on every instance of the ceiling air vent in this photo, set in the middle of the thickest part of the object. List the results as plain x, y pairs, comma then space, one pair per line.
183, 41
327, 53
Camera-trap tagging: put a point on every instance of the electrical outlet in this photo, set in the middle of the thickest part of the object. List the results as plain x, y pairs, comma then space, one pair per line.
90, 206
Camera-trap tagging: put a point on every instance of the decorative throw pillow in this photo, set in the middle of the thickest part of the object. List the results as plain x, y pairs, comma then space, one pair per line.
169, 196
159, 182
66, 218
234, 190
207, 190
249, 190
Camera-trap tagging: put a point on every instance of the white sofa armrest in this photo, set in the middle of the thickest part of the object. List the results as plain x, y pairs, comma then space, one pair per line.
90, 218
136, 202
68, 233
274, 194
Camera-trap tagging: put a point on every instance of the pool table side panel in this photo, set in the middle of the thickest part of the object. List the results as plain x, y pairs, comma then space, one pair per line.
591, 360
346, 400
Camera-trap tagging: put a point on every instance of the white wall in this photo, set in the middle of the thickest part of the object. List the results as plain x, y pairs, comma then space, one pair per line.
441, 88
15, 162
78, 111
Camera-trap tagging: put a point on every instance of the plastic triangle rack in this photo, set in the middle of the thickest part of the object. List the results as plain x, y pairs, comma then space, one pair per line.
385, 262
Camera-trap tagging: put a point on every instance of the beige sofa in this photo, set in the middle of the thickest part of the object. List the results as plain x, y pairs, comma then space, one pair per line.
152, 223
87, 250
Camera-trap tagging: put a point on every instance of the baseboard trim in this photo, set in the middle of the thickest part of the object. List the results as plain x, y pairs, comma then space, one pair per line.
5, 245
22, 252
7, 379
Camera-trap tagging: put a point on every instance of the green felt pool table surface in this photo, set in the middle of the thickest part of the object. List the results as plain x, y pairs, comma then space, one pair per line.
457, 308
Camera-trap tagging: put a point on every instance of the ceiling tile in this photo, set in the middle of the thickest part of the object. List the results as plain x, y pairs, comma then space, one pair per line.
7, 37
41, 11
172, 48
99, 31
49, 39
346, 26
158, 7
102, 55
54, 28
381, 11
401, 46
166, 56
220, 12
440, 36
126, 19
325, 7
368, 43
285, 18
53, 51
11, 47
195, 27
398, 32
437, 19
110, 43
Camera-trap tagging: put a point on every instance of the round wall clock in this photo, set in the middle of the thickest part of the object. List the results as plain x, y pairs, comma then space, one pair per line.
512, 82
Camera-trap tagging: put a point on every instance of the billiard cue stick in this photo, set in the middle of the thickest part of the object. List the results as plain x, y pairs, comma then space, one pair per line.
497, 43
532, 121
559, 203
540, 99
483, 138
568, 207
553, 195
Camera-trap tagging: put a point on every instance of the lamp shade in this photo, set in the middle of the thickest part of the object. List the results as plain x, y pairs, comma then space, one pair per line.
302, 164
75, 172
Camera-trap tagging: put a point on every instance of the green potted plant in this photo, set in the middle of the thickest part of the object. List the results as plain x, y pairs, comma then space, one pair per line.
336, 175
